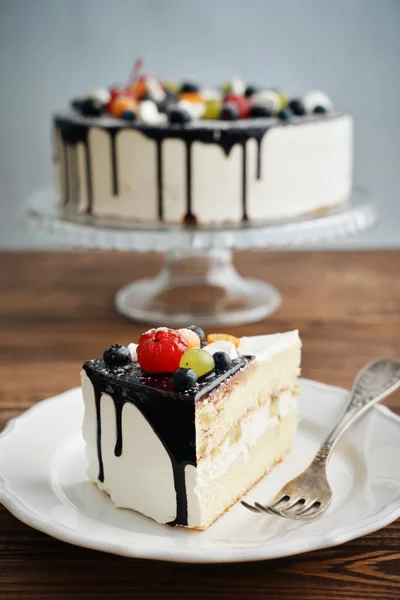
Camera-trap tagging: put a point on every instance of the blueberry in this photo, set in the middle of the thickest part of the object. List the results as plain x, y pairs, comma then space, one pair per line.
92, 107
320, 110
179, 115
189, 87
128, 115
229, 112
77, 104
223, 362
198, 330
260, 111
167, 103
297, 107
117, 356
184, 379
285, 114
250, 90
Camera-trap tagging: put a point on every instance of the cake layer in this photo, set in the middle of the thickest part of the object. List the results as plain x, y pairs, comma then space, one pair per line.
219, 412
208, 172
209, 498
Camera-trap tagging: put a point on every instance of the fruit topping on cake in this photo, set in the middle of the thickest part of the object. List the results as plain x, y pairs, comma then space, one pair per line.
150, 101
161, 350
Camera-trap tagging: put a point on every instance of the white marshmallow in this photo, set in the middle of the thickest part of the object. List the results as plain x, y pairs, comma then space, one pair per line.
195, 109
236, 86
133, 350
101, 94
149, 115
315, 98
212, 94
268, 98
222, 346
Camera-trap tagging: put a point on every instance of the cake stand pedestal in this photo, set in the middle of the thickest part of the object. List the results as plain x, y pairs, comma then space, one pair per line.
198, 282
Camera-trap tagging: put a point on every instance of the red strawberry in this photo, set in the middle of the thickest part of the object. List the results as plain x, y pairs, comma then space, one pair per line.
241, 102
160, 350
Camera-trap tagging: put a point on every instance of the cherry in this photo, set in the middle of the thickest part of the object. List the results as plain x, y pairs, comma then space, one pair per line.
160, 350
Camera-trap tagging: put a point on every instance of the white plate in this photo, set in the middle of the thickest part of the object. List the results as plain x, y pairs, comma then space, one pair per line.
43, 483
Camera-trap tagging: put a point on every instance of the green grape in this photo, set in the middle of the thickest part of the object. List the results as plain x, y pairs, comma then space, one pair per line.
284, 100
212, 109
199, 360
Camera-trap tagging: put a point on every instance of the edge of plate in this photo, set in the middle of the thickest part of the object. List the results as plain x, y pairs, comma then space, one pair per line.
16, 506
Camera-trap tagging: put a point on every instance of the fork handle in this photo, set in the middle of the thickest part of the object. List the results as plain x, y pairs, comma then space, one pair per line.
373, 383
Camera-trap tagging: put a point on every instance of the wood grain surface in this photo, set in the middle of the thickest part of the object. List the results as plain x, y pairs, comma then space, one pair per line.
56, 310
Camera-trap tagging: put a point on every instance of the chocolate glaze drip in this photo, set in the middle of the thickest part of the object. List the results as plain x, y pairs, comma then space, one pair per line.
160, 180
66, 174
189, 215
97, 396
77, 133
118, 421
258, 172
114, 163
74, 129
170, 414
244, 181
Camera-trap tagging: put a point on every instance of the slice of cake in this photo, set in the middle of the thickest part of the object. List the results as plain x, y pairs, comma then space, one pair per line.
179, 429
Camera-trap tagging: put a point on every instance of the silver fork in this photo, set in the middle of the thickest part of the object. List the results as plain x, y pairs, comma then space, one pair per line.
308, 496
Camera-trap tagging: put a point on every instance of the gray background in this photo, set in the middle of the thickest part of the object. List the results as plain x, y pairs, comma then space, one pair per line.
51, 50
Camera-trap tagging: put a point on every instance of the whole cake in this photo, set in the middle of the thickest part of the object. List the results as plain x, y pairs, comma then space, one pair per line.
156, 152
179, 429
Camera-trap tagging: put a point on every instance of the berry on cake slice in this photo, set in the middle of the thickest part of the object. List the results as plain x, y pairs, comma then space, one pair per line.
117, 356
223, 362
160, 350
184, 379
199, 360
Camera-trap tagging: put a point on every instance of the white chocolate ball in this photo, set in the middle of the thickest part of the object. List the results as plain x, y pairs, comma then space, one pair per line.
133, 350
268, 98
222, 346
315, 98
149, 115
101, 94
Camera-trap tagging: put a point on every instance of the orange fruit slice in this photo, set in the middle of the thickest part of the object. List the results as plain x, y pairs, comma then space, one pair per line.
192, 339
120, 104
226, 337
194, 97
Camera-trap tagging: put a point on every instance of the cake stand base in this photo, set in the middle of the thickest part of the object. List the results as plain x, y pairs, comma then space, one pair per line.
200, 287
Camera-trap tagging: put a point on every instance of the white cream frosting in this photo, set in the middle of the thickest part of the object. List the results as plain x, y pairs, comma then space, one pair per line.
131, 480
264, 347
304, 167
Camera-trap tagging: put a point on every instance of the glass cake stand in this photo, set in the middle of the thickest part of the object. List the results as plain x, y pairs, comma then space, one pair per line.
198, 282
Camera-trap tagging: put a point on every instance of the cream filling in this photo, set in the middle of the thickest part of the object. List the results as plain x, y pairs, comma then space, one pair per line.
251, 428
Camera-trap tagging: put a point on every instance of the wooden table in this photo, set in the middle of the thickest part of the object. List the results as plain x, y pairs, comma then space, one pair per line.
56, 310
